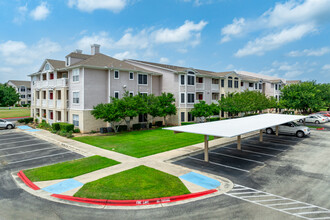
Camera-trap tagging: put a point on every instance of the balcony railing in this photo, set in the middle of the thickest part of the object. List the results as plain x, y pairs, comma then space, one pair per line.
58, 103
50, 103
199, 86
44, 103
51, 83
215, 87
38, 102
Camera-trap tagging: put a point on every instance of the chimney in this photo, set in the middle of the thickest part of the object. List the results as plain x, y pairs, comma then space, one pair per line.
95, 48
78, 51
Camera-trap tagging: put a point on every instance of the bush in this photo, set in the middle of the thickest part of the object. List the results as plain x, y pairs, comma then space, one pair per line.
93, 132
62, 133
69, 134
159, 123
56, 126
122, 128
20, 120
44, 125
77, 130
36, 121
28, 120
66, 126
213, 119
136, 126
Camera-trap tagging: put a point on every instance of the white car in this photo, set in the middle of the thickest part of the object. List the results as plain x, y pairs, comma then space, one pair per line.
6, 124
290, 128
327, 119
314, 119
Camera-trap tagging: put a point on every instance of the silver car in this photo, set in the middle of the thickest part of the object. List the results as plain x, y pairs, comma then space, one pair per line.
6, 124
314, 119
290, 128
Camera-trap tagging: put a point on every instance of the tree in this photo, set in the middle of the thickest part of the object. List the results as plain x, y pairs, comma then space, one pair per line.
166, 105
325, 93
126, 108
306, 97
109, 113
8, 95
202, 110
152, 107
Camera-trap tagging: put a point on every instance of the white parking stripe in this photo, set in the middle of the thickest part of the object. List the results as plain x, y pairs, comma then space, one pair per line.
316, 212
320, 218
242, 193
19, 142
4, 139
241, 158
230, 167
257, 146
256, 196
9, 148
288, 203
27, 152
302, 207
35, 158
254, 152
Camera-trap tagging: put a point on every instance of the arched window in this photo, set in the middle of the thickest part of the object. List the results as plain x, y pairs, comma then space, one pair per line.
191, 78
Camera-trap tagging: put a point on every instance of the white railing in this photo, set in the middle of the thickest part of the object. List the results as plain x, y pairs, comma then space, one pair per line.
50, 103
51, 83
50, 121
38, 102
58, 103
199, 86
215, 86
215, 101
44, 103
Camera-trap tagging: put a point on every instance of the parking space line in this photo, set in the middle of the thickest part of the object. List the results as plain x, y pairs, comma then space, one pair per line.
9, 148
18, 142
4, 139
244, 197
254, 152
243, 193
288, 203
230, 167
302, 207
321, 218
240, 189
316, 212
241, 158
269, 200
35, 158
270, 148
7, 155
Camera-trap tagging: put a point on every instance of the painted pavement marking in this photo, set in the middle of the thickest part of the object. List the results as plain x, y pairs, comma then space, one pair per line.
201, 180
240, 158
63, 186
35, 158
7, 155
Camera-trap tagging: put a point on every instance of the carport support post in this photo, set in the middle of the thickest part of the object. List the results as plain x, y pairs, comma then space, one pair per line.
239, 147
206, 148
277, 130
260, 136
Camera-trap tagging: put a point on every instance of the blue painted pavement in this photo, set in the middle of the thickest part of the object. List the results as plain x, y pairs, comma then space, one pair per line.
33, 130
201, 180
63, 186
24, 127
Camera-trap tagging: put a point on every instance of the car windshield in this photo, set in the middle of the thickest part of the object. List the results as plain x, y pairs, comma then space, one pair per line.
295, 124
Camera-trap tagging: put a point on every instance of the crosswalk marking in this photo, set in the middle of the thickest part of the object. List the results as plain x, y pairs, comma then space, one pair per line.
277, 203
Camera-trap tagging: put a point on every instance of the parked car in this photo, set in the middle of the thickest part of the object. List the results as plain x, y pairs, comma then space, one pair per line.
290, 128
327, 119
314, 119
6, 124
325, 113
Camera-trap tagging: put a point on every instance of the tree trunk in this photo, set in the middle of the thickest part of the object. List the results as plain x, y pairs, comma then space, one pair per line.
165, 121
128, 123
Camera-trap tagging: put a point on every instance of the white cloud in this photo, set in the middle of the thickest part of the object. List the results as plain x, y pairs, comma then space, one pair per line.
326, 67
102, 38
309, 52
230, 67
273, 41
232, 29
91, 5
125, 55
40, 12
164, 60
183, 33
199, 2
20, 14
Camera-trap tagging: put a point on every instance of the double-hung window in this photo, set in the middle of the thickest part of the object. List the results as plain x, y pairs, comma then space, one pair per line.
75, 96
236, 82
116, 74
191, 98
182, 98
75, 120
182, 77
131, 76
75, 75
143, 79
230, 82
222, 83
116, 93
191, 80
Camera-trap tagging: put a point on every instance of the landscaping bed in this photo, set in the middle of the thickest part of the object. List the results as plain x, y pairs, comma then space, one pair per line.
69, 169
138, 183
143, 143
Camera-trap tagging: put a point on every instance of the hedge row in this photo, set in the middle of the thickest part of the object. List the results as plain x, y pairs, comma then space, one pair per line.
25, 120
62, 126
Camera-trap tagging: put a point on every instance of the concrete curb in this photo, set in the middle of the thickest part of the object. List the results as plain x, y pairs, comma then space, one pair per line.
27, 181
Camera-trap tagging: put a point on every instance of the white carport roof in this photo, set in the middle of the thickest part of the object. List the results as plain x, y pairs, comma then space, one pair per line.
238, 126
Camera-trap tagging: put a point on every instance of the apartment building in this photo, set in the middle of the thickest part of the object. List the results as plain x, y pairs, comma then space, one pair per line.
23, 88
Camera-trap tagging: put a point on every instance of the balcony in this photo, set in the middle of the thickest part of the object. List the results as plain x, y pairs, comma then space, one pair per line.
199, 86
51, 83
51, 103
44, 103
38, 102
58, 103
215, 87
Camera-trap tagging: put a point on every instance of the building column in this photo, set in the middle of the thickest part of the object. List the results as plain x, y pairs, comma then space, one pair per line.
239, 146
206, 148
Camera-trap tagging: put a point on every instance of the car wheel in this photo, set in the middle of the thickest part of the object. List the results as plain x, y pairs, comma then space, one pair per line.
300, 134
269, 131
301, 121
9, 127
317, 122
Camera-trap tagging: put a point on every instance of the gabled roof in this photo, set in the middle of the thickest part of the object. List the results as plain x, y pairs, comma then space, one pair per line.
176, 68
57, 64
102, 60
250, 75
19, 83
78, 55
293, 81
223, 74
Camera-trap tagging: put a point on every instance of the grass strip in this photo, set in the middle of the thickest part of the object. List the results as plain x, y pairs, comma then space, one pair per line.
138, 183
143, 143
22, 112
69, 169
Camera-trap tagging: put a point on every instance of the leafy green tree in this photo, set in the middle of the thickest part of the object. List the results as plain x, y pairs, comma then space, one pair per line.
166, 105
202, 110
306, 97
8, 95
109, 113
126, 107
152, 107
325, 93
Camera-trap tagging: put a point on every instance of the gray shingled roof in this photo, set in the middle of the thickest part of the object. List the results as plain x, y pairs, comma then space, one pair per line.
57, 64
78, 55
19, 83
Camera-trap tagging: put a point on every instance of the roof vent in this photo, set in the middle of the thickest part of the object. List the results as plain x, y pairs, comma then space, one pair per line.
95, 49
78, 51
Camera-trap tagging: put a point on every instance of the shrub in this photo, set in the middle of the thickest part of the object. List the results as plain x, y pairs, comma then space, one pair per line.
136, 126
159, 123
69, 134
36, 121
93, 132
28, 120
66, 126
77, 130
56, 126
44, 125
20, 120
213, 119
122, 128
62, 133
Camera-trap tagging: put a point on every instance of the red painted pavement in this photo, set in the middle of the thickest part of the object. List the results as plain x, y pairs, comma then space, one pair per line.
26, 180
135, 202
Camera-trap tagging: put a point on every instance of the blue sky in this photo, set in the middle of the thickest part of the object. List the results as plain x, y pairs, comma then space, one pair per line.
287, 39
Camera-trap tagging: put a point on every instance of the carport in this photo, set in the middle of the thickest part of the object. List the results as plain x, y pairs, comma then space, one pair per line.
236, 127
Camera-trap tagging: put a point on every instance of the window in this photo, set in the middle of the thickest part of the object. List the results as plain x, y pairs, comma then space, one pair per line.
190, 117
22, 88
199, 79
143, 93
260, 86
143, 79
182, 79
250, 84
131, 93
51, 76
215, 96
222, 83
222, 95
67, 61
23, 103
182, 116
182, 98
199, 96
22, 96
215, 81
116, 94
143, 117
191, 80
29, 95
131, 75
191, 98
279, 87
75, 120
230, 82
116, 74
75, 96
242, 84
47, 66
236, 84
75, 75
275, 86
256, 86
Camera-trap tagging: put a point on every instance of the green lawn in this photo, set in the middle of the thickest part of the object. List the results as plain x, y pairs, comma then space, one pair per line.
138, 183
21, 112
311, 126
143, 143
69, 169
